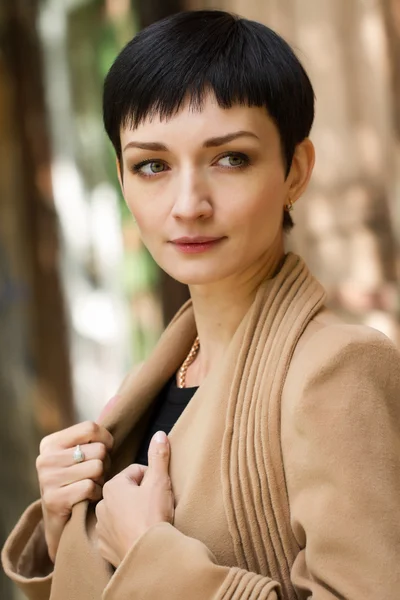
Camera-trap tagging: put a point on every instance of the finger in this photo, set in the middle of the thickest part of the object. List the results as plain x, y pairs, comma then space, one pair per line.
158, 456
55, 478
87, 489
91, 469
135, 473
60, 501
65, 458
82, 433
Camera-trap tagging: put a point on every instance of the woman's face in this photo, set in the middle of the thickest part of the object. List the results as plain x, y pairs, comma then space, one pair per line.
215, 177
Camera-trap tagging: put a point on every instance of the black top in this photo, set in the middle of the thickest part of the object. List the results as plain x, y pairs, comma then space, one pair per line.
168, 407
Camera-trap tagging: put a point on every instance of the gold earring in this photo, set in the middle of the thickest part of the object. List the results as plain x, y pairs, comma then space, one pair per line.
289, 206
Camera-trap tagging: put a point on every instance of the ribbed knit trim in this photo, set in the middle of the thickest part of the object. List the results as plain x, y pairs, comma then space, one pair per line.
242, 585
252, 465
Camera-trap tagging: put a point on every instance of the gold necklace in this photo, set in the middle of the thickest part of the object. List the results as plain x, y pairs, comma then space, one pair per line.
187, 362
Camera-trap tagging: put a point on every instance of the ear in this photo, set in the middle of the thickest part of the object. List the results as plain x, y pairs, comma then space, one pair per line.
301, 169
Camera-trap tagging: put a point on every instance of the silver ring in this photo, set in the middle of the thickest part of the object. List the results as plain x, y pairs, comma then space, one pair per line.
78, 454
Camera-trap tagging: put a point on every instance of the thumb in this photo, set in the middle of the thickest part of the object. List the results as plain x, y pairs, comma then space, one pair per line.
158, 457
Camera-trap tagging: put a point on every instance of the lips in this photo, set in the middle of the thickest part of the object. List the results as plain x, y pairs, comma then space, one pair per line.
195, 240
196, 244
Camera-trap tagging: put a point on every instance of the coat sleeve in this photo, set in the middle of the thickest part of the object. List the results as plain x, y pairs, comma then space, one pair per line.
25, 558
165, 563
341, 450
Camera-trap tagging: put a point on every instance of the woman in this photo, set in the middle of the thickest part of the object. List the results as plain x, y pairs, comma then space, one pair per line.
280, 477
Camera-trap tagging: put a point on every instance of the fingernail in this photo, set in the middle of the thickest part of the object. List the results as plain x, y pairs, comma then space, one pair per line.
161, 437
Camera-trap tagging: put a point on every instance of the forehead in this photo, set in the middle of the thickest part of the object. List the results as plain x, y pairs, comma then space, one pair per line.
193, 123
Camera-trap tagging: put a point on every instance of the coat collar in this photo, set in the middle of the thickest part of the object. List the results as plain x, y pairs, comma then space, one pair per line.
140, 388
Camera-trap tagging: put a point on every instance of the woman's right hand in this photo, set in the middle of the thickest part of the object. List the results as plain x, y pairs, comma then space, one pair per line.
63, 482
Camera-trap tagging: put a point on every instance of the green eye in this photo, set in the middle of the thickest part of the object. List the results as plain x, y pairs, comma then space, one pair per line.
233, 161
148, 168
156, 167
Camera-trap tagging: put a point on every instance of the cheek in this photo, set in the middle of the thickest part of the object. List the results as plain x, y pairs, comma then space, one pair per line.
142, 203
259, 203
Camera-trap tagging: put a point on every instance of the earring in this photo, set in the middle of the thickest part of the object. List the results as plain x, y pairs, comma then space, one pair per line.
289, 206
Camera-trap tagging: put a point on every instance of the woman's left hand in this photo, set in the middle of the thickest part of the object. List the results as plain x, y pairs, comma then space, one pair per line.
135, 500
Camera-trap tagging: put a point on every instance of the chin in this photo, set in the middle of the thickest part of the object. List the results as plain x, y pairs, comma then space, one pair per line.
196, 276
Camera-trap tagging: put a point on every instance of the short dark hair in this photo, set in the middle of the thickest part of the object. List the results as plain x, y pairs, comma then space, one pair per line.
191, 53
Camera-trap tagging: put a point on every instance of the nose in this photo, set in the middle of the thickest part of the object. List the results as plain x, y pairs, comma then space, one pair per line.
193, 196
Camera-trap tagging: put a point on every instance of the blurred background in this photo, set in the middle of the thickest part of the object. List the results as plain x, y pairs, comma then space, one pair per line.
81, 301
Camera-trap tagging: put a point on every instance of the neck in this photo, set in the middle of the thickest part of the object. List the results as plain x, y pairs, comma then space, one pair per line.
219, 309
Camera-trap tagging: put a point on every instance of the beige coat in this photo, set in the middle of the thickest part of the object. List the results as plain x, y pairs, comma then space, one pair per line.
285, 467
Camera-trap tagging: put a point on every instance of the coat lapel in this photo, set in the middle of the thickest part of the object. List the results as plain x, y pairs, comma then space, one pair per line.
139, 389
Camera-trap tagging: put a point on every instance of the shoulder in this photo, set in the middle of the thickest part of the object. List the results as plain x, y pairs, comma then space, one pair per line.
336, 365
341, 397
327, 341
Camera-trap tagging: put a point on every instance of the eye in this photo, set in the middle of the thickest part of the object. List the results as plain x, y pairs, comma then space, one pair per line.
149, 168
233, 160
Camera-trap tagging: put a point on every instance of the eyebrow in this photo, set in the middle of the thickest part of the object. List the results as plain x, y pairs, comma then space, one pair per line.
210, 143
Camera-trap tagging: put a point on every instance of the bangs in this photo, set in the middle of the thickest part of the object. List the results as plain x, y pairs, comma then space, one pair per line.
189, 55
